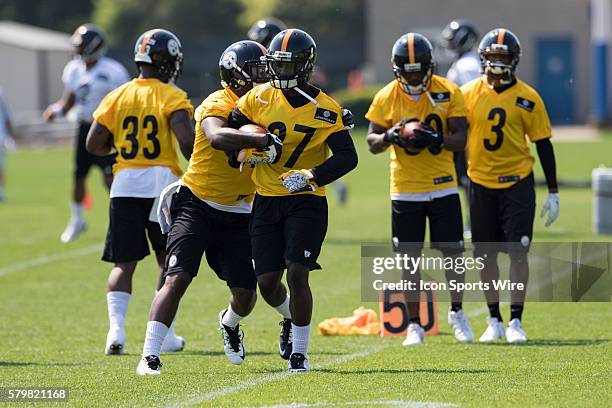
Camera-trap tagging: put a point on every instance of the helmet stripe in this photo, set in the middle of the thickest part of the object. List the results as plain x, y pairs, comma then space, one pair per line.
145, 40
411, 48
286, 40
500, 36
261, 47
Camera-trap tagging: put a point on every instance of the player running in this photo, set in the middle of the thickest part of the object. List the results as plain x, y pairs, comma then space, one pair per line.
140, 120
289, 219
502, 111
423, 178
210, 214
87, 79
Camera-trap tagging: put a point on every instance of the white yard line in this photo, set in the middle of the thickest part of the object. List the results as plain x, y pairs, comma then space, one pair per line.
388, 403
30, 263
269, 378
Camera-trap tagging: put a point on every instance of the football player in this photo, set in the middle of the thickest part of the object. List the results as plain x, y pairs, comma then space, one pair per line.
289, 219
460, 38
210, 213
139, 121
87, 79
503, 112
423, 178
263, 31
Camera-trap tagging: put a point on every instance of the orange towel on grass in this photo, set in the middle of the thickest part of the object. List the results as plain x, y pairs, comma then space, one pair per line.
363, 322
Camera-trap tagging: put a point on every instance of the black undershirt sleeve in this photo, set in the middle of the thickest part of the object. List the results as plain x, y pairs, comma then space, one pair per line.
238, 119
343, 158
547, 159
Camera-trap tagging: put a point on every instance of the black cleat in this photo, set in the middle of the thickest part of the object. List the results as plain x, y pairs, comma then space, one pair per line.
284, 342
298, 363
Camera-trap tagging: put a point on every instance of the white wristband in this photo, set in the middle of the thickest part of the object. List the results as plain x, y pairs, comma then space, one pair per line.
57, 110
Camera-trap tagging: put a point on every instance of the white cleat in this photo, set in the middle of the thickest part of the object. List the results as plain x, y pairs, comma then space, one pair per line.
515, 333
149, 365
72, 231
463, 331
115, 342
233, 343
173, 343
494, 331
415, 335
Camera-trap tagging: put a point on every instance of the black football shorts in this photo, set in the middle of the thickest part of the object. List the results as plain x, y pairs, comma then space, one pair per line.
197, 229
287, 228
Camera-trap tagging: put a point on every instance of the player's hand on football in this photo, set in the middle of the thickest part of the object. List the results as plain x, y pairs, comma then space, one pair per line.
297, 181
552, 207
347, 119
392, 135
426, 136
269, 154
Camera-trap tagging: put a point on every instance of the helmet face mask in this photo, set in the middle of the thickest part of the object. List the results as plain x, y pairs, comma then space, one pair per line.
500, 52
291, 59
88, 43
413, 63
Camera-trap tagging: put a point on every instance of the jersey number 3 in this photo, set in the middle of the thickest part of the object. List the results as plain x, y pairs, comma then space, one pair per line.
130, 123
498, 115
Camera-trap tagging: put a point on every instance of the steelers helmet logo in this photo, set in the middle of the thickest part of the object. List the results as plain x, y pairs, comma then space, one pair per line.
229, 60
172, 261
173, 47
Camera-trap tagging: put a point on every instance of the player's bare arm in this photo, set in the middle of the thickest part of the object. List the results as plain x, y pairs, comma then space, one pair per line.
223, 137
376, 136
99, 140
61, 107
457, 134
181, 125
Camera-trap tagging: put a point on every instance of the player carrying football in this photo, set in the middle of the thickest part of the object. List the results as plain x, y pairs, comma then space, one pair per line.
210, 213
502, 110
423, 178
140, 120
289, 219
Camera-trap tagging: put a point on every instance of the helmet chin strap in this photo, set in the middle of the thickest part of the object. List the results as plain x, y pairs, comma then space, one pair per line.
305, 95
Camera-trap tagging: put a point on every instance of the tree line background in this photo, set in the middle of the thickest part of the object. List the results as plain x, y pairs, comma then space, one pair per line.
206, 28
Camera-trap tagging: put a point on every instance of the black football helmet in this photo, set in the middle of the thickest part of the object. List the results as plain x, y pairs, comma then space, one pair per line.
496, 42
291, 58
264, 30
242, 64
89, 42
163, 50
460, 36
413, 63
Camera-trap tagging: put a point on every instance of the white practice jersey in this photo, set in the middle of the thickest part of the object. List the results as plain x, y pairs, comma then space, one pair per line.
91, 86
465, 69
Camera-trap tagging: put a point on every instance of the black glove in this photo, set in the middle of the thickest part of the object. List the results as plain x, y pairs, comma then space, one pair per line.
347, 119
392, 135
427, 137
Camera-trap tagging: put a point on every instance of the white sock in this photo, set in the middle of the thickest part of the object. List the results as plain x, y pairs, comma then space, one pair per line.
117, 308
171, 332
156, 332
283, 308
300, 336
77, 212
231, 318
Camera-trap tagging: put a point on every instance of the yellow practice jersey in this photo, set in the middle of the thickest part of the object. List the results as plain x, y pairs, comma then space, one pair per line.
138, 115
209, 175
428, 170
499, 124
303, 130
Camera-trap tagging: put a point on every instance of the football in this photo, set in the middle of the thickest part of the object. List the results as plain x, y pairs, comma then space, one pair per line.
252, 128
408, 129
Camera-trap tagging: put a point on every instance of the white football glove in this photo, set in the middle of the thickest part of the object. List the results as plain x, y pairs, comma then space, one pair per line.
552, 207
297, 181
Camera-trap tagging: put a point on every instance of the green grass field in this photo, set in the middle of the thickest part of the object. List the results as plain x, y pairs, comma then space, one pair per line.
54, 322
